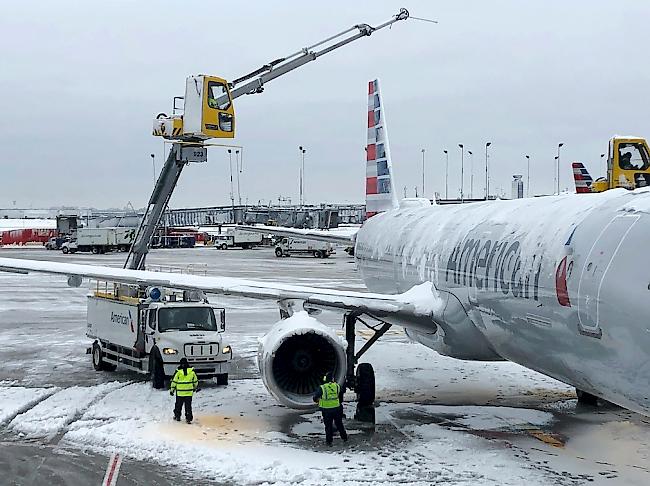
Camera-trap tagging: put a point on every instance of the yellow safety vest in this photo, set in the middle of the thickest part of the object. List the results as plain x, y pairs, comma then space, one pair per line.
330, 396
184, 384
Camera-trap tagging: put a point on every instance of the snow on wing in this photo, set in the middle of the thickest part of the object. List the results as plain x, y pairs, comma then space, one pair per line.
416, 303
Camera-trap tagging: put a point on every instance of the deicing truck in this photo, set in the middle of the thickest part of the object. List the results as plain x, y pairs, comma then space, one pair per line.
150, 331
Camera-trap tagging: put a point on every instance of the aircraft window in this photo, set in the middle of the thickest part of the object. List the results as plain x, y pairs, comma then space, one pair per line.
633, 156
218, 96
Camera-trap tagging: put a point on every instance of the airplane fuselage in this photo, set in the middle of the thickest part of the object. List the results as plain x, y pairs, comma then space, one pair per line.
557, 284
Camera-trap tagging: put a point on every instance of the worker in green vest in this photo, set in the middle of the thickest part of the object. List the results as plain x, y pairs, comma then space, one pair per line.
184, 384
329, 397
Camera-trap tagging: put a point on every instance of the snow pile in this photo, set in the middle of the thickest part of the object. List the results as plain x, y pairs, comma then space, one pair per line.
640, 201
15, 399
424, 298
56, 412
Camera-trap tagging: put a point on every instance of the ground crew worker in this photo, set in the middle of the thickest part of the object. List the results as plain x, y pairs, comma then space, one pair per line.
184, 384
329, 397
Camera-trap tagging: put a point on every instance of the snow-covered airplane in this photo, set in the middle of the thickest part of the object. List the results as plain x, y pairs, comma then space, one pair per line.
558, 284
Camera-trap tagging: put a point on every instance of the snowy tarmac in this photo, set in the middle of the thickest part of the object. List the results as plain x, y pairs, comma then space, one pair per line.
439, 420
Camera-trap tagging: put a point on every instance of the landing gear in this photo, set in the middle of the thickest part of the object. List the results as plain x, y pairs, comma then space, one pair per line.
585, 398
361, 380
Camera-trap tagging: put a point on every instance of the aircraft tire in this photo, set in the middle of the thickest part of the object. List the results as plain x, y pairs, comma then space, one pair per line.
365, 385
365, 414
585, 398
222, 379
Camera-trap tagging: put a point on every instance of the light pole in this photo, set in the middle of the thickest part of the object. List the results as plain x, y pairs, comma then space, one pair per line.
487, 178
606, 168
471, 174
423, 195
302, 173
232, 191
153, 163
559, 145
462, 171
446, 175
528, 175
555, 182
238, 172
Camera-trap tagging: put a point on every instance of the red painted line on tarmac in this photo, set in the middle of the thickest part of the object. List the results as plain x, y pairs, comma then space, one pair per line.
112, 470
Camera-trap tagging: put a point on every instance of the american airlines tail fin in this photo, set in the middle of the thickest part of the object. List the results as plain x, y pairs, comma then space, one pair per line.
581, 177
380, 187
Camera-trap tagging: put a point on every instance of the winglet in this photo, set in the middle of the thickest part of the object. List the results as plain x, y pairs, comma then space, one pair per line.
380, 187
581, 177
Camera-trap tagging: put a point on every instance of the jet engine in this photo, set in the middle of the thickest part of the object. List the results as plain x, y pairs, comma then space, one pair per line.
295, 355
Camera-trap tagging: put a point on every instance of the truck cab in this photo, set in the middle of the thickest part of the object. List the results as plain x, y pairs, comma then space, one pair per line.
191, 330
150, 331
628, 165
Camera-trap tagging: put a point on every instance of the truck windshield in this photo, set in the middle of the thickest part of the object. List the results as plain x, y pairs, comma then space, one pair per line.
186, 319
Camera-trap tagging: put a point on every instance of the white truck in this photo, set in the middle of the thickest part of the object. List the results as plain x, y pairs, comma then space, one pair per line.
236, 237
150, 332
100, 240
298, 246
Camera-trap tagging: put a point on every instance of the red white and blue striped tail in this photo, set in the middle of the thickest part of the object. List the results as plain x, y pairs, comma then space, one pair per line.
581, 177
380, 188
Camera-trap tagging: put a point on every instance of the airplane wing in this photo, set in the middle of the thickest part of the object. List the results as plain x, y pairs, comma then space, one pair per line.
419, 301
310, 234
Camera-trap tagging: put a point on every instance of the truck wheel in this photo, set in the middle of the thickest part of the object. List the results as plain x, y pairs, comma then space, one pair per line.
278, 252
317, 254
365, 386
157, 373
95, 250
98, 360
222, 379
65, 250
224, 246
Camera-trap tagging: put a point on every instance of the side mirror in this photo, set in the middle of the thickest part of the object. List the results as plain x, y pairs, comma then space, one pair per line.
222, 321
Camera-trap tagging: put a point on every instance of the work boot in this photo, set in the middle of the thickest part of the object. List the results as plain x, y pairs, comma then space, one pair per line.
178, 419
189, 421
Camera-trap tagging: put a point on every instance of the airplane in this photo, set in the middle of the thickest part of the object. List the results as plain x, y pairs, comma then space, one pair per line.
555, 284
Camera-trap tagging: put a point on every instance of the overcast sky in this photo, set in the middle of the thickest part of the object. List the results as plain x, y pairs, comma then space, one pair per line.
81, 82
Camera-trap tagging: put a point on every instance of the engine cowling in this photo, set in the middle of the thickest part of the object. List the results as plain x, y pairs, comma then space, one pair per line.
295, 355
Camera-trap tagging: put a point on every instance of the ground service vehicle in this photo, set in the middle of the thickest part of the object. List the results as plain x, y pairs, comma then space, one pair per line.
628, 166
55, 242
236, 237
301, 246
149, 332
100, 240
